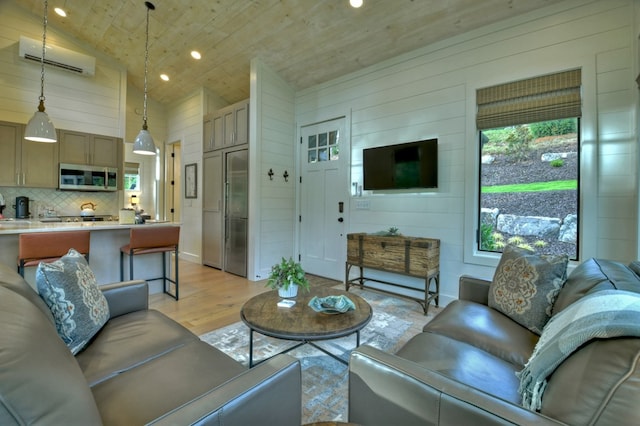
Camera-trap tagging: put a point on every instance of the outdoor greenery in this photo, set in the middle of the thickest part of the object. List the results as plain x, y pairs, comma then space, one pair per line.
513, 148
556, 185
553, 128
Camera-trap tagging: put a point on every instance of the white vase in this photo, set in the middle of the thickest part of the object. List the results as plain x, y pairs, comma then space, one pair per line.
292, 291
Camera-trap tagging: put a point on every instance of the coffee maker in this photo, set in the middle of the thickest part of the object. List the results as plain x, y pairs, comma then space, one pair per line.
22, 208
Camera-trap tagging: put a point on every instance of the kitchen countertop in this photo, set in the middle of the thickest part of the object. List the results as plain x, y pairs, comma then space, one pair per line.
22, 226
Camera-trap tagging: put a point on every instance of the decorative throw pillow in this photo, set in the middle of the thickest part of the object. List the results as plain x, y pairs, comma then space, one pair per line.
525, 286
69, 288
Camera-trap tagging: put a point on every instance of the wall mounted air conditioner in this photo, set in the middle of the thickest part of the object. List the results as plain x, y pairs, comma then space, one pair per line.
57, 57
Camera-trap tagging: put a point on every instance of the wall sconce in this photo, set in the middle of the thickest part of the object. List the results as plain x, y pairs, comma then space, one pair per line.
270, 174
286, 176
134, 200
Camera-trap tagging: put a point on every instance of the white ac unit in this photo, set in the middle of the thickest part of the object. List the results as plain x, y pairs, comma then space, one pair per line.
57, 56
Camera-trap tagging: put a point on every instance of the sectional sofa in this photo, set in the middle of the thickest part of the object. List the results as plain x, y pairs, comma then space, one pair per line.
464, 367
140, 368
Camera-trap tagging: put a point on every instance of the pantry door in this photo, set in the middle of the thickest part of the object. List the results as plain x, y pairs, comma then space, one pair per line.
323, 198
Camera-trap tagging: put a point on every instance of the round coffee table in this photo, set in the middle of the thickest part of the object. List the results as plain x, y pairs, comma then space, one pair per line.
301, 323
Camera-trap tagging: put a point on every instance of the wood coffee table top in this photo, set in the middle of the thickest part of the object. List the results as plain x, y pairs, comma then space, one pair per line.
300, 322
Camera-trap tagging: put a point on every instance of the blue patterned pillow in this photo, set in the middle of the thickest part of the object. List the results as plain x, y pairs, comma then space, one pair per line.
525, 286
69, 288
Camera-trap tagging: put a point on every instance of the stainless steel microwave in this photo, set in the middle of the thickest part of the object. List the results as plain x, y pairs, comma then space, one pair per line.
79, 177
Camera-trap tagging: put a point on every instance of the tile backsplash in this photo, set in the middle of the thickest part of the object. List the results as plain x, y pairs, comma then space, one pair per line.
53, 202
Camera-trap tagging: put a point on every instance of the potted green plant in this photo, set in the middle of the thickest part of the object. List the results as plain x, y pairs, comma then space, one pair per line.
286, 277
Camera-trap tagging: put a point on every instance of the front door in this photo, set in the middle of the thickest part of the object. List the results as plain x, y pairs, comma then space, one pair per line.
323, 198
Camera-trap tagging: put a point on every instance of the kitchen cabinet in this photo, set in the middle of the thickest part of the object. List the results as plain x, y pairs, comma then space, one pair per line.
212, 213
226, 127
86, 148
26, 163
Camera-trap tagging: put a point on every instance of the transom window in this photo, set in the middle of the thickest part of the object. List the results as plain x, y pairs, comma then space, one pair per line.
323, 147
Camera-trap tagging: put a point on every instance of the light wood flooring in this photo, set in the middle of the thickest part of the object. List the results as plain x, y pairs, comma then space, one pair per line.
211, 299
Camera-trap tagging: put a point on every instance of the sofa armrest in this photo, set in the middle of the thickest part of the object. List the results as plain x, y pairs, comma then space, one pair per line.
474, 289
270, 394
126, 297
386, 389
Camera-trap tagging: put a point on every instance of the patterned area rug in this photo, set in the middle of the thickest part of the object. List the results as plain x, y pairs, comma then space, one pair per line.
324, 379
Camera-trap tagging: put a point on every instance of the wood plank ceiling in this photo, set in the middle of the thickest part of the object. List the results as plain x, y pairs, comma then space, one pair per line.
305, 41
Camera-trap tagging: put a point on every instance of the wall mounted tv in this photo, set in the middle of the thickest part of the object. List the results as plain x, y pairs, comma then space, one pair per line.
403, 166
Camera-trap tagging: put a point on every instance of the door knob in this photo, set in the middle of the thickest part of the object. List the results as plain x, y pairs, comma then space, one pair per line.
340, 219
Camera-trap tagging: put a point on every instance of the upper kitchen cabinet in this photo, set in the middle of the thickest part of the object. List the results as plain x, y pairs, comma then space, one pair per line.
85, 148
26, 163
226, 127
212, 132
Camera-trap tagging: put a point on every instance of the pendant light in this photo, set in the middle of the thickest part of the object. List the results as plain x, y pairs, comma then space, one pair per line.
144, 142
40, 128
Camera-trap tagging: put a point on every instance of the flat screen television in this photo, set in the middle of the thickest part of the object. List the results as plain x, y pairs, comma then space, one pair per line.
403, 166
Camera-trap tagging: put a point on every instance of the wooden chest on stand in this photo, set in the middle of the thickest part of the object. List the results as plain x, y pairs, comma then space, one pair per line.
411, 256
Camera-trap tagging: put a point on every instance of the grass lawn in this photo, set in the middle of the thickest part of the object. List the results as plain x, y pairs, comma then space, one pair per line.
557, 185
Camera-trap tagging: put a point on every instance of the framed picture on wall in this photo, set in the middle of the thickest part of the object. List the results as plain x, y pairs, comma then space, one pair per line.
191, 180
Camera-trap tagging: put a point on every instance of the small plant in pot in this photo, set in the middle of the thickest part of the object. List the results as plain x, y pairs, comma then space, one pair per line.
287, 276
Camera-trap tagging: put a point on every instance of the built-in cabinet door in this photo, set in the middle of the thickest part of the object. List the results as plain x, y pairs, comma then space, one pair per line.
213, 132
74, 147
85, 148
10, 135
212, 213
207, 133
105, 151
26, 163
39, 164
229, 126
241, 124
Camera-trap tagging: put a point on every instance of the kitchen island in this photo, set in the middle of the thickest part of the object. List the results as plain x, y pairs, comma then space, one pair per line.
106, 239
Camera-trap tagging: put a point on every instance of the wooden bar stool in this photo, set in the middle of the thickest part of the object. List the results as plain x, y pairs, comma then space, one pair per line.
48, 247
153, 239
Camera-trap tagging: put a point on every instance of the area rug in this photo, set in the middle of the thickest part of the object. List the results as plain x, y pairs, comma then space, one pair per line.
324, 379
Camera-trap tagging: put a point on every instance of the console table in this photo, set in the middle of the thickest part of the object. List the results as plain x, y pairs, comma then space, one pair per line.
410, 256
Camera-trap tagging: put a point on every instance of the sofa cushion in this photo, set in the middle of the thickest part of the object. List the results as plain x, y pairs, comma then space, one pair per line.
69, 288
595, 275
40, 381
486, 329
133, 397
525, 286
464, 363
131, 340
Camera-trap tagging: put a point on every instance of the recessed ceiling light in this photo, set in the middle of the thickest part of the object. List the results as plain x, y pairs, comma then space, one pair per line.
164, 77
195, 54
355, 3
60, 12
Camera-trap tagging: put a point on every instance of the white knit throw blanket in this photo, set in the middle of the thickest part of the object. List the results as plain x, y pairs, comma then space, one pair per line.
604, 314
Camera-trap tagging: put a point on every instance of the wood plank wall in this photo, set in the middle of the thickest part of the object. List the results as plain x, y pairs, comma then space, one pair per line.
431, 93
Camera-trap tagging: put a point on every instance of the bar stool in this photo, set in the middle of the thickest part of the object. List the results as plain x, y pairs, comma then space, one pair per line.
152, 239
48, 247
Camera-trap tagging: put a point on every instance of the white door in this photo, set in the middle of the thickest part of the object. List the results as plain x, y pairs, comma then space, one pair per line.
323, 198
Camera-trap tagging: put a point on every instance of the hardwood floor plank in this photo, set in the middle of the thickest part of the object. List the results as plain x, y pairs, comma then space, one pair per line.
211, 299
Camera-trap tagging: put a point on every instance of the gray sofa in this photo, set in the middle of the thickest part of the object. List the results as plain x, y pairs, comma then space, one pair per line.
141, 368
462, 368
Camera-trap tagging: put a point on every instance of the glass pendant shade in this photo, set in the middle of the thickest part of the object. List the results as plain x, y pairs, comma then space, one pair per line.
144, 143
40, 128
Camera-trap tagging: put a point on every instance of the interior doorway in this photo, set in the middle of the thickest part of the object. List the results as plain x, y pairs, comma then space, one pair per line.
173, 177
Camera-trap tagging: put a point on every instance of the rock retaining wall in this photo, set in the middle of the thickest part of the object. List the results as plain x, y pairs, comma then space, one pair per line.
544, 228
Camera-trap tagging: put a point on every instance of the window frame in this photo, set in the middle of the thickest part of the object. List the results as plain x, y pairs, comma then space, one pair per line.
588, 204
479, 190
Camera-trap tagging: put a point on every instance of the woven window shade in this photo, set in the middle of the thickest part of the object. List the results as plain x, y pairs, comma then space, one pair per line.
549, 97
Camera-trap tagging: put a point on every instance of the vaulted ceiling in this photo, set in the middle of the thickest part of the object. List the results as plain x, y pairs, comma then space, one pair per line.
305, 41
